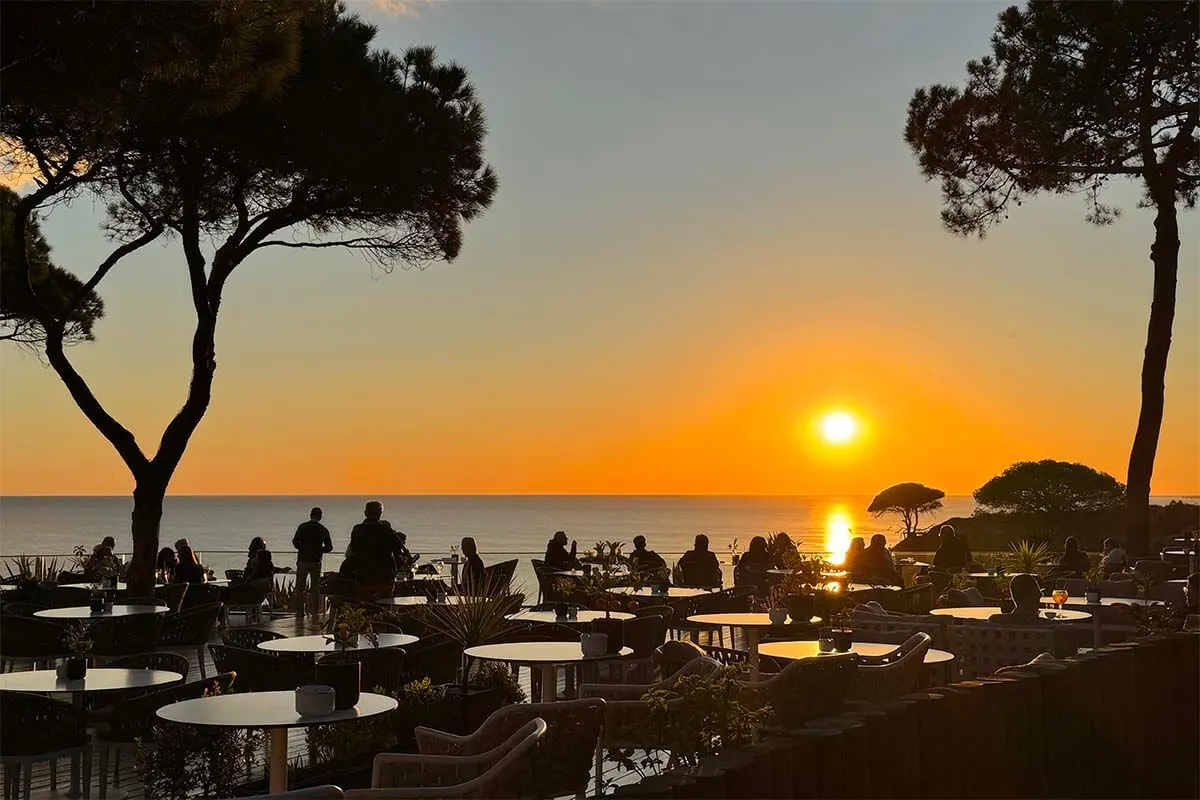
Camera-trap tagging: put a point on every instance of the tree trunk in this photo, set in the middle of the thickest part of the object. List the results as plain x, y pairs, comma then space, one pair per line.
146, 519
1165, 255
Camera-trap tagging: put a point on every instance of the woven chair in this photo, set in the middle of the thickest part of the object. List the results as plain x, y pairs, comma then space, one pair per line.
258, 670
1118, 588
562, 762
235, 575
29, 640
666, 612
34, 728
249, 638
436, 656
327, 792
884, 678
71, 578
805, 690
542, 632
789, 632
644, 634
190, 630
382, 667
125, 600
124, 636
984, 647
728, 656
199, 594
933, 625
501, 574
103, 705
173, 594
498, 773
246, 598
702, 666
68, 596
137, 720
714, 603
22, 609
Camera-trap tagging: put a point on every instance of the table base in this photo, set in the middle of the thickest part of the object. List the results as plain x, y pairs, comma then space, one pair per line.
549, 683
277, 770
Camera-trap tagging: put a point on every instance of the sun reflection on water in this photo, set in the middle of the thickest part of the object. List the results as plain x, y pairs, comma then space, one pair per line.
838, 527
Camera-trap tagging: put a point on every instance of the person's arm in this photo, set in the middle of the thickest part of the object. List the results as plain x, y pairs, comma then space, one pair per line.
326, 541
296, 536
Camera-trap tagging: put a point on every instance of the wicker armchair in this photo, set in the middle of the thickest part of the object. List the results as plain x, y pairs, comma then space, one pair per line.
68, 596
498, 773
562, 762
805, 690
235, 575
137, 721
727, 656
249, 638
644, 634
258, 670
124, 636
666, 612
382, 667
199, 594
103, 707
501, 574
437, 657
931, 624
34, 728
884, 678
29, 640
173, 594
190, 630
19, 609
246, 598
984, 647
703, 666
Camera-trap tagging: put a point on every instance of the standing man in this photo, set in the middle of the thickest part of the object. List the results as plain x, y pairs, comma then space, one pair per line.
311, 542
372, 553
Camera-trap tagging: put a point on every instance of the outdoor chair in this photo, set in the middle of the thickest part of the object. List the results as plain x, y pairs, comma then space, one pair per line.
173, 594
22, 609
1113, 588
124, 636
246, 598
703, 666
714, 603
789, 631
199, 594
138, 719
562, 761
189, 630
68, 596
102, 706
542, 632
804, 690
235, 575
644, 635
258, 670
1167, 592
666, 612
500, 575
29, 640
35, 728
548, 591
327, 792
728, 657
71, 578
1154, 570
674, 653
382, 667
249, 638
124, 600
933, 625
984, 647
496, 773
436, 657
884, 678
1076, 587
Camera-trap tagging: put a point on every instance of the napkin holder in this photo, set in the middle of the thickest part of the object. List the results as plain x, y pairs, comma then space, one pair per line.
314, 700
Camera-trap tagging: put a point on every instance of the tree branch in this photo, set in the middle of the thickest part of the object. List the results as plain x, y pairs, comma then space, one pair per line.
109, 263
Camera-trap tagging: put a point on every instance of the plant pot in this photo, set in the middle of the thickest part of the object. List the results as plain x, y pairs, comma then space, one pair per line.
800, 607
345, 679
842, 639
96, 603
778, 615
614, 628
594, 644
76, 668
1092, 595
560, 610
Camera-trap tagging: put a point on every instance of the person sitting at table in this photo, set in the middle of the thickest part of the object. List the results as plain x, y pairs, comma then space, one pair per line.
699, 566
472, 579
404, 559
189, 570
263, 566
102, 563
1114, 559
371, 554
783, 549
751, 569
165, 564
257, 545
1027, 602
953, 554
557, 558
854, 553
647, 564
875, 563
1073, 563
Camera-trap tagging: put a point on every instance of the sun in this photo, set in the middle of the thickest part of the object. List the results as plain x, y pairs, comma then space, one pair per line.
838, 427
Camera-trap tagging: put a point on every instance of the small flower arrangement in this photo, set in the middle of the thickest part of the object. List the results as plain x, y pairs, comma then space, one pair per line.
842, 619
77, 639
348, 625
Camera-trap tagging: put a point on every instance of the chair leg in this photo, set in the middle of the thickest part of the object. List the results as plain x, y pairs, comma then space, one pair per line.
103, 771
28, 770
200, 658
87, 770
53, 774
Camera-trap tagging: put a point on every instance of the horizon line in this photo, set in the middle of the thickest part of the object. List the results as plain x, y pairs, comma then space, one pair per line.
503, 494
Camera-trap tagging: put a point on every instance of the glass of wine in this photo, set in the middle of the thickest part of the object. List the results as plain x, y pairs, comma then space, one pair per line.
1060, 598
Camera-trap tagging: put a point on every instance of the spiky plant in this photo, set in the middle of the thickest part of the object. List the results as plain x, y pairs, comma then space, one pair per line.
478, 619
1026, 556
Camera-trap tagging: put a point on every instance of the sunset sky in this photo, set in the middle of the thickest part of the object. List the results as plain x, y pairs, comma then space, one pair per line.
709, 232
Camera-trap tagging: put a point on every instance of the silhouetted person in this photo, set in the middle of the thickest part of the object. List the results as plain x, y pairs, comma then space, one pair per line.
100, 562
473, 578
312, 542
165, 564
783, 549
371, 555
699, 566
404, 559
854, 554
557, 556
1073, 562
1027, 602
263, 566
751, 569
875, 562
648, 564
189, 570
953, 554
1114, 559
257, 545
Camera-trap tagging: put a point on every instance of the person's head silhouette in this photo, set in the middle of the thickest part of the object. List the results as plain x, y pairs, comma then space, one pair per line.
373, 510
316, 514
879, 542
1026, 591
701, 543
639, 542
469, 547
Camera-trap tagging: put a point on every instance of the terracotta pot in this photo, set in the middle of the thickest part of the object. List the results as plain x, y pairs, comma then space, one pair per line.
345, 679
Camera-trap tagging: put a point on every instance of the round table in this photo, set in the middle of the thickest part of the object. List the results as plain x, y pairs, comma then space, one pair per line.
97, 679
528, 615
318, 644
750, 623
834, 574
402, 601
796, 651
86, 613
275, 711
1077, 603
545, 655
984, 612
672, 591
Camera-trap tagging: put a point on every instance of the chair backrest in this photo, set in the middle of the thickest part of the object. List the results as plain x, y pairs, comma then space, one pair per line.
1076, 587
644, 634
327, 792
71, 578
32, 724
1169, 592
122, 636
728, 657
166, 661
881, 682
233, 575
436, 656
67, 596
807, 689
30, 637
501, 574
666, 612
200, 594
933, 625
506, 775
258, 670
173, 594
192, 627
248, 593
984, 647
382, 667
248, 638
1154, 569
1118, 588
22, 609
142, 601
137, 718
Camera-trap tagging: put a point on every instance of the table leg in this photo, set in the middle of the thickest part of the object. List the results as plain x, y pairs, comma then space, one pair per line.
752, 646
76, 790
1097, 633
278, 768
549, 683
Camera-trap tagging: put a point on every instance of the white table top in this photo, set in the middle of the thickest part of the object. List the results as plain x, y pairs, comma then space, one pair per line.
402, 601
829, 573
800, 650
266, 710
549, 616
317, 643
740, 620
866, 587
984, 612
97, 679
8, 587
84, 612
1079, 602
672, 591
539, 653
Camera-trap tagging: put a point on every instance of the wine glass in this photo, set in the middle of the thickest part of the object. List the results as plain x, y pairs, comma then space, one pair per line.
1060, 598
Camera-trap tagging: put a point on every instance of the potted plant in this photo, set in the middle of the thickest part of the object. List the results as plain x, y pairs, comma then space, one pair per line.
799, 587
735, 552
347, 628
79, 643
841, 631
777, 605
1094, 576
611, 570
478, 622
